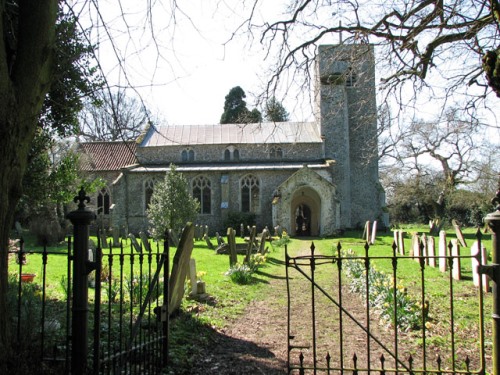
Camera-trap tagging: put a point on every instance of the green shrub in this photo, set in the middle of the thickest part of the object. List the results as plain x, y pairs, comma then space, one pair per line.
235, 219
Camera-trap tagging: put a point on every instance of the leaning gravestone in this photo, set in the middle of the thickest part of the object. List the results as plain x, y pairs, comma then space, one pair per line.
396, 238
180, 268
374, 233
459, 233
174, 237
442, 248
366, 232
145, 241
136, 245
263, 237
479, 256
233, 259
209, 243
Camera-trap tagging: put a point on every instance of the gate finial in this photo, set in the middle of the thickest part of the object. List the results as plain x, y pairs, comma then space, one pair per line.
81, 197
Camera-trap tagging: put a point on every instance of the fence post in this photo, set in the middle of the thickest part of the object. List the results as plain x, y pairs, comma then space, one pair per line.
81, 219
493, 271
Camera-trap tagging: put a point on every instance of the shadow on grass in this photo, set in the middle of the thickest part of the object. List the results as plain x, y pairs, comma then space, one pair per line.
197, 348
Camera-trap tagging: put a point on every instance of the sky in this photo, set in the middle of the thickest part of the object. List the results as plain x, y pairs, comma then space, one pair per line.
196, 56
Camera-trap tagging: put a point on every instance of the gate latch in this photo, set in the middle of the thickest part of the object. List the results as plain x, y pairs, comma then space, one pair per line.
491, 270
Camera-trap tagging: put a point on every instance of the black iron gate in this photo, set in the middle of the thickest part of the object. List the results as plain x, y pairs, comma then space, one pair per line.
353, 313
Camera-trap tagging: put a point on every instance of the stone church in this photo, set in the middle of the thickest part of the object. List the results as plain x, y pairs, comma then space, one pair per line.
311, 178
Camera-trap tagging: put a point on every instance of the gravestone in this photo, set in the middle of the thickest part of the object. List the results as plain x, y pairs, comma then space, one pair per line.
263, 237
180, 268
19, 229
205, 231
423, 248
242, 230
116, 236
479, 256
145, 241
197, 232
415, 246
209, 243
459, 233
104, 238
251, 244
220, 240
442, 248
374, 233
277, 231
455, 253
136, 245
431, 251
401, 242
396, 237
366, 232
231, 240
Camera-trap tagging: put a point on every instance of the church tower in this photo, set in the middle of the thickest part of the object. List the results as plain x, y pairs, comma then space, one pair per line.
347, 117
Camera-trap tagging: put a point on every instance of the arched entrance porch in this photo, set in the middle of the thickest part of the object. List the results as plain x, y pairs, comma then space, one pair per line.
305, 212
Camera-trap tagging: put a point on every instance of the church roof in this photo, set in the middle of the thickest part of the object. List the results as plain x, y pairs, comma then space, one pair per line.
107, 156
261, 133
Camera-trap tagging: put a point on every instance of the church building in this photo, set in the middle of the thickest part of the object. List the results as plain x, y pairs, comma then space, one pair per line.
311, 178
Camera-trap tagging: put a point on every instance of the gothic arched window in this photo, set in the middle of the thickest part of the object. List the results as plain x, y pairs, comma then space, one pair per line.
148, 192
250, 194
202, 191
103, 202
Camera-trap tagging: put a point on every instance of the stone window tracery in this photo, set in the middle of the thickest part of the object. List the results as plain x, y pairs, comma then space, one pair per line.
103, 202
148, 192
202, 191
250, 194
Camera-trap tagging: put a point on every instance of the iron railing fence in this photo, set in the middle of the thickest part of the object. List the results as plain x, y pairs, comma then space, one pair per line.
384, 314
126, 314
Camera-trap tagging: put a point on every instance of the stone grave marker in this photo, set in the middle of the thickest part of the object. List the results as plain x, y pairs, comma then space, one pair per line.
423, 248
233, 259
145, 241
251, 244
209, 243
479, 256
455, 253
116, 236
431, 251
242, 230
263, 238
374, 233
220, 240
197, 232
136, 245
205, 231
459, 233
180, 268
442, 248
415, 246
395, 234
401, 242
19, 229
104, 238
366, 232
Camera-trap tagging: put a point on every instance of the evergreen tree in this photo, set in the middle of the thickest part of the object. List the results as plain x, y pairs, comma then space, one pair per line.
172, 205
236, 111
274, 111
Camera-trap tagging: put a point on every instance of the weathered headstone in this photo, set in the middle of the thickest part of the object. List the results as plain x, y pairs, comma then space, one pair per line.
401, 242
242, 230
145, 241
251, 244
431, 251
395, 234
277, 231
208, 242
104, 238
455, 253
366, 232
415, 246
173, 237
197, 232
205, 231
479, 256
423, 248
19, 229
374, 233
116, 236
233, 259
136, 245
220, 240
263, 238
459, 233
180, 268
442, 248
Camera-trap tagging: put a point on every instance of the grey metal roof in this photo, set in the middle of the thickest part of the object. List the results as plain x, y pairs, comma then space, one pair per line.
230, 167
262, 133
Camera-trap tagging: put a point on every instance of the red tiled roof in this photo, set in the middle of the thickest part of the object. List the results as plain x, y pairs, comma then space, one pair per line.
107, 156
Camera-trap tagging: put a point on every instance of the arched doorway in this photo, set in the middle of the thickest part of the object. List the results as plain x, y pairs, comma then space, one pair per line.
305, 212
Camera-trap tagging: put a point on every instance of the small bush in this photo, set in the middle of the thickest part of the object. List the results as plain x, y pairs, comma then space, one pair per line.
235, 219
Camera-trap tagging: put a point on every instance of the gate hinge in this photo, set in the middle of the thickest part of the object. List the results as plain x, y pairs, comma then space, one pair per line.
491, 270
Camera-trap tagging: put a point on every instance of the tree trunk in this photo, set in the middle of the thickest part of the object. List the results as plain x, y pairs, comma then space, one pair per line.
25, 76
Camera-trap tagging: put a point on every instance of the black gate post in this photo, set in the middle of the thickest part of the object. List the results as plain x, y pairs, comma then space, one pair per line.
81, 219
493, 221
